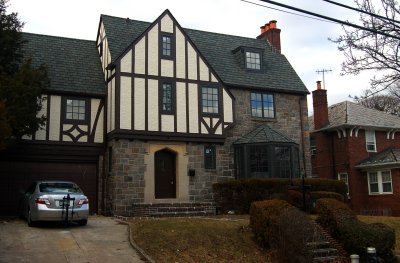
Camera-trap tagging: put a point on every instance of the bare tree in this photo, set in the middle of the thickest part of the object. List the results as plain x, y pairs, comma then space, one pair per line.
387, 101
365, 50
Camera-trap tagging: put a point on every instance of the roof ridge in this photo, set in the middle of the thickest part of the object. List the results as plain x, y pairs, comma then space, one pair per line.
61, 37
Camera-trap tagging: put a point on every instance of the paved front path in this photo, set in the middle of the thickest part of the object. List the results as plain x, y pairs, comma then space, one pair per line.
103, 240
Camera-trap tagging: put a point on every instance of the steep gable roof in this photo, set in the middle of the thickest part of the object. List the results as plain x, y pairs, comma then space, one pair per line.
351, 114
73, 65
276, 75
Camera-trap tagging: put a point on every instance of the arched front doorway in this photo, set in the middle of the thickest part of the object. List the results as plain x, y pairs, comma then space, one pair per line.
165, 174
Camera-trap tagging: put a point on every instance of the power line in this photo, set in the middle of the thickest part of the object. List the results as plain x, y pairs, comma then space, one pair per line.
281, 10
331, 19
362, 11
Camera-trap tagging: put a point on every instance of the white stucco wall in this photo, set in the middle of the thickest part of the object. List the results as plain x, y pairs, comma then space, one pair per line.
126, 103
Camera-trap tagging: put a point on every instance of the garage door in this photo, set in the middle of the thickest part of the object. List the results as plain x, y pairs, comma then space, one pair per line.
17, 176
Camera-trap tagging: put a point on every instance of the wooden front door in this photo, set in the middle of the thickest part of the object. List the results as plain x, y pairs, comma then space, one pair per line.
165, 177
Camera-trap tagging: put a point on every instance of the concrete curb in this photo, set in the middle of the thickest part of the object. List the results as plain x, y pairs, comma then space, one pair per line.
124, 220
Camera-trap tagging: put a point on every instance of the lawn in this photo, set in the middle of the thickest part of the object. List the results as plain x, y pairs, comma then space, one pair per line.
198, 240
393, 222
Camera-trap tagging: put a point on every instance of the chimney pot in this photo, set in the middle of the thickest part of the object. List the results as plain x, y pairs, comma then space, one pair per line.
262, 29
319, 85
272, 24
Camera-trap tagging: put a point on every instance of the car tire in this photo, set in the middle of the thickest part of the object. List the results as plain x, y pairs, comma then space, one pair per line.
31, 223
83, 222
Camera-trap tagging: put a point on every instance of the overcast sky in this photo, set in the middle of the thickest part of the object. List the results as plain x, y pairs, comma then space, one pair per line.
304, 41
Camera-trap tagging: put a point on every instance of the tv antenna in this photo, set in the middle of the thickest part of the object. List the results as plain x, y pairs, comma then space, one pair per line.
323, 71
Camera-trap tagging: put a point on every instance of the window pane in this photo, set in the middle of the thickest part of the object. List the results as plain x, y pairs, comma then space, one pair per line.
167, 97
210, 100
370, 140
209, 157
373, 188
262, 105
166, 46
373, 177
253, 60
282, 162
75, 109
258, 161
387, 187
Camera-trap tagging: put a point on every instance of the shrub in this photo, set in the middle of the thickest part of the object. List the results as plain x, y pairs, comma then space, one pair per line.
315, 195
355, 235
295, 198
264, 217
294, 231
238, 195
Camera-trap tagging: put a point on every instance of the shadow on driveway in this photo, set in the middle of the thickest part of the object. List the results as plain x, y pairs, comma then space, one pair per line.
102, 240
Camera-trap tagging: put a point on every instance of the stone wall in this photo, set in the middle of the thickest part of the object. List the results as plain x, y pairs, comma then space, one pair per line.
288, 121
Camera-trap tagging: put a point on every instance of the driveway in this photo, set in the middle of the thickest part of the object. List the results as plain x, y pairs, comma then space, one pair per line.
103, 240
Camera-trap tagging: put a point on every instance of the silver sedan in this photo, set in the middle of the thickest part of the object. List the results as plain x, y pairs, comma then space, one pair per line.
55, 201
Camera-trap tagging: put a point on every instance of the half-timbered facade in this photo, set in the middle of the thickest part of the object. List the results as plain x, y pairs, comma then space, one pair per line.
179, 110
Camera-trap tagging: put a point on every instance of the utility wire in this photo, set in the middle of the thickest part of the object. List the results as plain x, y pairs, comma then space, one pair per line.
281, 10
362, 11
331, 19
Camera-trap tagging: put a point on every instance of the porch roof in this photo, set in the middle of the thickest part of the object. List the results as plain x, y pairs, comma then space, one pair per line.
387, 158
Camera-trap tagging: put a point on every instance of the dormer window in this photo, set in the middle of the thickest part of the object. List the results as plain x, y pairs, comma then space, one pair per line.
253, 60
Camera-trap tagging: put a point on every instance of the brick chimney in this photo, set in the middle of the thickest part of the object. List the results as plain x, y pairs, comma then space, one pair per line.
320, 104
272, 34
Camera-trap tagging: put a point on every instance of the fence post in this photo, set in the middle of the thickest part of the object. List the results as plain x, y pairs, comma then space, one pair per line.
355, 258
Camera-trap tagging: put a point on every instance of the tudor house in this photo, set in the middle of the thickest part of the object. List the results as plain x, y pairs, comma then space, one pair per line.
360, 146
149, 116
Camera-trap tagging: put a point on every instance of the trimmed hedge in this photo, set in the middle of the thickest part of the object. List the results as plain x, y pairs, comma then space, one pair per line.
264, 218
315, 195
237, 195
355, 235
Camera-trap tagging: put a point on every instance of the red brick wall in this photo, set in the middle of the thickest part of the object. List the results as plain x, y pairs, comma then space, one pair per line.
335, 155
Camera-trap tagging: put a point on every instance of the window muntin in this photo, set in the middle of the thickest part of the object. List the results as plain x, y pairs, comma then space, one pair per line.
209, 157
258, 157
380, 182
253, 60
75, 109
267, 161
166, 48
262, 105
209, 100
370, 141
345, 178
166, 97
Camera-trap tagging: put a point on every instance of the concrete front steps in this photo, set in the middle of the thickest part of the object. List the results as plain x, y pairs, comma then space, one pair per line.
323, 252
173, 210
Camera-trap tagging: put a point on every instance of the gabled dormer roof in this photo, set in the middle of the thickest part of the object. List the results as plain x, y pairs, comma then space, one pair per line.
276, 74
350, 114
73, 65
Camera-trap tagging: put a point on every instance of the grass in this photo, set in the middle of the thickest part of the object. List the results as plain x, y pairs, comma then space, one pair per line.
198, 240
393, 222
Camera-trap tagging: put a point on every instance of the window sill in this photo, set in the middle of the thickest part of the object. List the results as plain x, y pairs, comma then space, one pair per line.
261, 119
380, 194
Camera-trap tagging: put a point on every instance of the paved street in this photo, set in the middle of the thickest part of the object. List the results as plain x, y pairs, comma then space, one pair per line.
103, 240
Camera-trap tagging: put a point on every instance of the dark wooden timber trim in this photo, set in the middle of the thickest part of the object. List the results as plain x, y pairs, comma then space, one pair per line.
164, 136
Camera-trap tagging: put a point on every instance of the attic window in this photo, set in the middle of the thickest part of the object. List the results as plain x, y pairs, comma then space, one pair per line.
253, 60
167, 46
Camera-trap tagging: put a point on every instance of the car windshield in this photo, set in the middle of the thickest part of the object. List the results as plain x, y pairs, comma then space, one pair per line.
59, 188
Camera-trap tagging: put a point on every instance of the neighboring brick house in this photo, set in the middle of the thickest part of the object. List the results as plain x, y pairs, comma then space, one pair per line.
178, 110
360, 146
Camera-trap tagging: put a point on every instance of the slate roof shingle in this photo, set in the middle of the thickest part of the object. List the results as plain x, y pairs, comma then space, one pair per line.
73, 65
263, 134
351, 114
277, 73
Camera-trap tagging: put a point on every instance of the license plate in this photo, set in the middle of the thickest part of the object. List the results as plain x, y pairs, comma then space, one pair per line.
60, 203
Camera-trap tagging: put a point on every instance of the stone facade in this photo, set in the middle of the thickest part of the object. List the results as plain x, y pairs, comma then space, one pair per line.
126, 181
